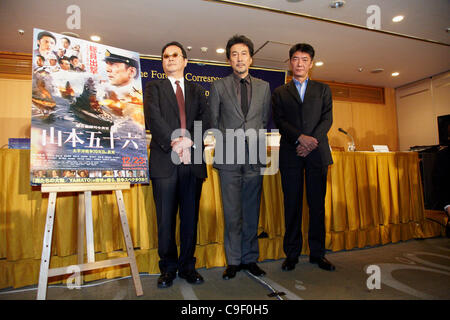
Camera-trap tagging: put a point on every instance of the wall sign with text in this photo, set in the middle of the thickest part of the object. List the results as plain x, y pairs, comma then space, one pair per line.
204, 73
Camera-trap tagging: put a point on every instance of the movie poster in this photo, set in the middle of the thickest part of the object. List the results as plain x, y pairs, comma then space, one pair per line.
87, 122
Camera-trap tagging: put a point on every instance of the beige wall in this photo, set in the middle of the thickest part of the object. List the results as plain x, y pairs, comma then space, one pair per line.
368, 123
440, 86
15, 109
418, 105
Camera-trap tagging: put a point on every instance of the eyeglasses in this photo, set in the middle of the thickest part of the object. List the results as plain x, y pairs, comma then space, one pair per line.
174, 55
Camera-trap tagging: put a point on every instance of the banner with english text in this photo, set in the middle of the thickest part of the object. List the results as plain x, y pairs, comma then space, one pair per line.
204, 73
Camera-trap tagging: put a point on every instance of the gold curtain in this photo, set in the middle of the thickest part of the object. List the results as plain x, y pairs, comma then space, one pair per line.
372, 199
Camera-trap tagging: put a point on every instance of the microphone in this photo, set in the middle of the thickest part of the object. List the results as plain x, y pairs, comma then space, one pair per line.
343, 131
351, 145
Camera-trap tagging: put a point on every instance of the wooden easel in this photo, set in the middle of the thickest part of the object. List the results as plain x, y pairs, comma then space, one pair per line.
84, 220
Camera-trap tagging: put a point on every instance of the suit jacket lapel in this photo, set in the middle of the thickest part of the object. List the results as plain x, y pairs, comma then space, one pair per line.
168, 91
294, 92
309, 90
187, 101
254, 101
229, 85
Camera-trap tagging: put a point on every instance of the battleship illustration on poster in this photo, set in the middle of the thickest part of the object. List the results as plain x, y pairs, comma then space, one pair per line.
87, 117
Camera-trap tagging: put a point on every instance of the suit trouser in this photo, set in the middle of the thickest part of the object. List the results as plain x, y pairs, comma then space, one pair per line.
241, 198
292, 184
182, 189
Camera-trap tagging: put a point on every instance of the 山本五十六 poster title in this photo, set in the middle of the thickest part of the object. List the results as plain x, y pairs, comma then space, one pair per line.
87, 117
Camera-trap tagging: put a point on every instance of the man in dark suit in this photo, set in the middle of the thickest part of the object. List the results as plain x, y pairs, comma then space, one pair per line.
302, 111
240, 103
171, 107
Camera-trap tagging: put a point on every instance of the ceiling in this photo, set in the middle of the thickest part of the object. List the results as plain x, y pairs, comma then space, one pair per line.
417, 47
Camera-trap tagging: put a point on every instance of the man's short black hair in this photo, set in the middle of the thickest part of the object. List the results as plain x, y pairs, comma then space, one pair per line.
177, 44
239, 39
302, 47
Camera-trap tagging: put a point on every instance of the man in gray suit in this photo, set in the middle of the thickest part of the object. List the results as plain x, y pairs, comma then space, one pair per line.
240, 103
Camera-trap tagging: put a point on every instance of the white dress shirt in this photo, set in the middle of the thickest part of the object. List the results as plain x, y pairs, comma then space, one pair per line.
174, 85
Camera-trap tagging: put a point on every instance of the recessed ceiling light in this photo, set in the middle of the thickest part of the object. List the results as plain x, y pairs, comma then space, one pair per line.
220, 50
378, 70
319, 63
21, 31
95, 38
189, 48
203, 49
337, 4
397, 18
395, 74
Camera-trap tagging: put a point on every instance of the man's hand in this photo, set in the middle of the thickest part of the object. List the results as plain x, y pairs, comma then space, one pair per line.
181, 146
309, 143
302, 151
181, 142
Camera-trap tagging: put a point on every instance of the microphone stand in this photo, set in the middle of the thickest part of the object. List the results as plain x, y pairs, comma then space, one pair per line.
351, 145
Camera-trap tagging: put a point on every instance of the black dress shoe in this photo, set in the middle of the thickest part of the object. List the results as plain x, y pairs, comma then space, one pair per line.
230, 272
191, 276
323, 263
165, 280
254, 269
288, 264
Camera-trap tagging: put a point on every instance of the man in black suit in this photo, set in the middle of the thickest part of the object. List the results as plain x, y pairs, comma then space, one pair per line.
302, 111
171, 107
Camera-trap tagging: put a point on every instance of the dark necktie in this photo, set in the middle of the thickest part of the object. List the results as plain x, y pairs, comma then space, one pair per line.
180, 100
244, 99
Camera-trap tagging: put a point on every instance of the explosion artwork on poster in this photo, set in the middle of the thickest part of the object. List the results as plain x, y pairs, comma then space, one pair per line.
87, 117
